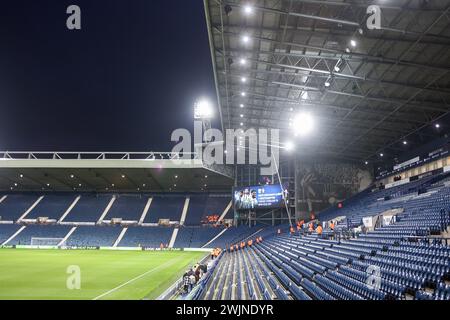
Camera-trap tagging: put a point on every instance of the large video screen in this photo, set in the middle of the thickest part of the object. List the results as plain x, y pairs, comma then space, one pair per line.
258, 197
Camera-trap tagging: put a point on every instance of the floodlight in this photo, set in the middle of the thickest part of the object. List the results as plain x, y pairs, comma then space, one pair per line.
245, 38
241, 105
353, 43
248, 9
289, 146
303, 124
243, 94
243, 62
203, 109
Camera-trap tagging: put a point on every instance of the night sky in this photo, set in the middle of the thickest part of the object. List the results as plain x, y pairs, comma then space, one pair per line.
122, 83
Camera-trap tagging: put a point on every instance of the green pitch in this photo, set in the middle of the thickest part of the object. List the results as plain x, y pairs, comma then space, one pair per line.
43, 274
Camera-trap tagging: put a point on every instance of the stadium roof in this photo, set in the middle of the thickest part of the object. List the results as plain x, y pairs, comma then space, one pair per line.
368, 90
109, 172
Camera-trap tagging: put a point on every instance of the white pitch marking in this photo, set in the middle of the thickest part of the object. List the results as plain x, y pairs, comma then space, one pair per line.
134, 279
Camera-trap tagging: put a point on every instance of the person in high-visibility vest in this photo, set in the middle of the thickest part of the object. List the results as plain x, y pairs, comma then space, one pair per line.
332, 225
319, 229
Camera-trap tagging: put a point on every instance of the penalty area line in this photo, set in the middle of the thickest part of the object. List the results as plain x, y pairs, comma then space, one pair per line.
134, 279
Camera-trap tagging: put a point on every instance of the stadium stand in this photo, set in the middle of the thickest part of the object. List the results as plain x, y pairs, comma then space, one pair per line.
7, 230
128, 207
150, 237
39, 231
89, 208
15, 205
98, 236
195, 237
411, 264
165, 207
52, 206
201, 206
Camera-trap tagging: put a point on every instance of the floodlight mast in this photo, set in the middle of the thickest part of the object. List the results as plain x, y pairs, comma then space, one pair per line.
282, 191
203, 112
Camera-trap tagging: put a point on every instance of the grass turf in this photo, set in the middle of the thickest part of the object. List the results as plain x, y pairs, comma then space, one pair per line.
42, 274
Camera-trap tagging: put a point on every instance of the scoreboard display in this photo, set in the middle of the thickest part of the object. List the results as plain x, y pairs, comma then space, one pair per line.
258, 197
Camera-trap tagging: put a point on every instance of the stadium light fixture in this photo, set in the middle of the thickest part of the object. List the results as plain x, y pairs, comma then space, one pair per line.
48, 184
248, 9
21, 175
243, 93
327, 84
381, 154
243, 62
241, 105
243, 79
241, 115
289, 146
303, 124
79, 184
366, 163
405, 142
291, 109
72, 176
123, 176
437, 125
143, 185
353, 43
15, 184
241, 124
176, 177
203, 109
245, 39
206, 176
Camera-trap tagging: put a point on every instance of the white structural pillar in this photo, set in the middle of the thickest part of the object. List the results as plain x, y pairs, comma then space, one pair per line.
14, 235
69, 208
30, 208
67, 236
173, 238
108, 207
224, 213
122, 233
185, 209
146, 208
217, 236
3, 198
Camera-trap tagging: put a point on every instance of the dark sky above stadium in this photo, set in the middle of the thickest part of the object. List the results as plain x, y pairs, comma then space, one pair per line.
122, 83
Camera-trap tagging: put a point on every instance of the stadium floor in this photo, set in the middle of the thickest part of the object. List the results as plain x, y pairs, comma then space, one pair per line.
130, 275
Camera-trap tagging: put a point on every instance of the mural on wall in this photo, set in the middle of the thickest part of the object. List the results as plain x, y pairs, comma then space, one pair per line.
321, 185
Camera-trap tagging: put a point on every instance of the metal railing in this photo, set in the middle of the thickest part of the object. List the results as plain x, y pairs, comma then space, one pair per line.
77, 155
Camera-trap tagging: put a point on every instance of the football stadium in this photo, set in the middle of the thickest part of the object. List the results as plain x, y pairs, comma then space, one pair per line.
317, 167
